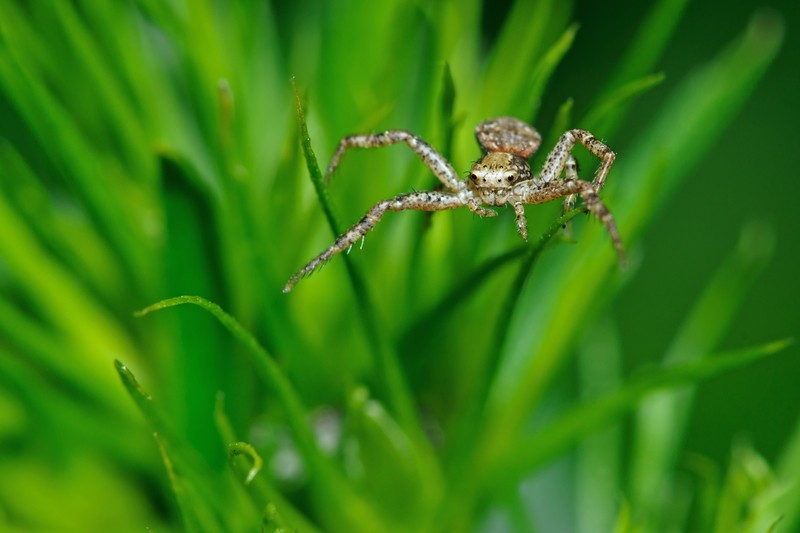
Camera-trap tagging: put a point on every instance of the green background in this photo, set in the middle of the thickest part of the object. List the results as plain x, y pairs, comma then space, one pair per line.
151, 149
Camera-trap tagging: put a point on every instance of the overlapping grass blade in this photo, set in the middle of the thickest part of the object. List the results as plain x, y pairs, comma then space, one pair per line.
471, 281
652, 38
191, 484
261, 491
531, 452
710, 96
608, 112
662, 419
264, 363
554, 306
544, 69
516, 54
336, 496
390, 374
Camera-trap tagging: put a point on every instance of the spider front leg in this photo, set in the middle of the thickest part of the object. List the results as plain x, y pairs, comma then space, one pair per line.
432, 159
559, 157
420, 201
571, 170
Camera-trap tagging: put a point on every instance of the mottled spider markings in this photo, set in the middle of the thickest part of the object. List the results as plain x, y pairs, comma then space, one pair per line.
502, 176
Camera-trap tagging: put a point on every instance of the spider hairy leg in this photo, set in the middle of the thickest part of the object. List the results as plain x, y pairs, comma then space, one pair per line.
571, 171
600, 211
437, 164
558, 157
522, 222
474, 205
420, 201
542, 193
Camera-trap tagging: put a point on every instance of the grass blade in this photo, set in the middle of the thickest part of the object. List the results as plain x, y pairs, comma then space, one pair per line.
661, 419
608, 112
532, 452
651, 39
333, 493
467, 285
544, 69
708, 98
389, 372
263, 362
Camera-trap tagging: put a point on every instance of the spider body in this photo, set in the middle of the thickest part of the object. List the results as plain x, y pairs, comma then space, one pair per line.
502, 176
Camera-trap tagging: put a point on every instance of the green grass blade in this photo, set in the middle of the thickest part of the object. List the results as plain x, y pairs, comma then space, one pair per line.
532, 452
389, 372
661, 419
238, 449
544, 69
261, 491
515, 54
191, 485
693, 118
786, 502
599, 460
606, 114
686, 127
58, 298
335, 495
561, 123
466, 286
263, 362
511, 301
652, 38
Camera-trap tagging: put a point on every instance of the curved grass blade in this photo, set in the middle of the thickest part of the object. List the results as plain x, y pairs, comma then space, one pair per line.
191, 483
391, 377
511, 301
661, 419
561, 123
334, 494
261, 492
599, 459
651, 39
532, 452
263, 362
467, 285
515, 54
787, 502
237, 449
544, 69
608, 109
704, 103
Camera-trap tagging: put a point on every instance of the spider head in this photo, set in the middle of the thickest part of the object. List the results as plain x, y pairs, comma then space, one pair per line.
493, 176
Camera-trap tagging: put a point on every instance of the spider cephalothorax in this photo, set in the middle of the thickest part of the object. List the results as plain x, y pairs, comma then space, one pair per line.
501, 176
493, 177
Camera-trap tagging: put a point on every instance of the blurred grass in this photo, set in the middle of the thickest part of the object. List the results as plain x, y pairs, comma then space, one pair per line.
150, 149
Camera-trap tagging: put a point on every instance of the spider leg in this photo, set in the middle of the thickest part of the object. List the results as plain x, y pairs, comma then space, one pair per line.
475, 206
558, 158
571, 170
522, 222
421, 201
600, 211
435, 161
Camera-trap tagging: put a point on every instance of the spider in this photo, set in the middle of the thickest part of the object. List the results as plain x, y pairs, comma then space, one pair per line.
501, 176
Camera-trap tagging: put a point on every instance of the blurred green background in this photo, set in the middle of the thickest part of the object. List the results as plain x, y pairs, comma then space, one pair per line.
446, 377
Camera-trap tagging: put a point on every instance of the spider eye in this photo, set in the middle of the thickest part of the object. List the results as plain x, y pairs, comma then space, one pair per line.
473, 177
511, 177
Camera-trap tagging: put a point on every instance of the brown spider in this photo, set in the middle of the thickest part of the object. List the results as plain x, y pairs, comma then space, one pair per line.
501, 176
